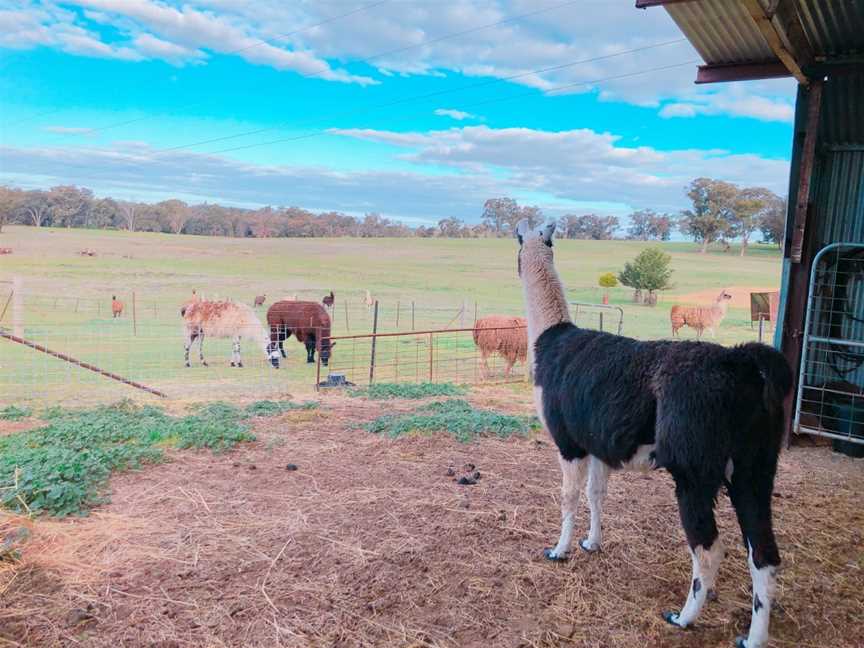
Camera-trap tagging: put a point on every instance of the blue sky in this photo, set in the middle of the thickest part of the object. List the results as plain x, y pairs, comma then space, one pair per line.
416, 109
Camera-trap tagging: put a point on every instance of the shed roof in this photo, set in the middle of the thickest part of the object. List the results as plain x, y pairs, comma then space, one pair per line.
755, 39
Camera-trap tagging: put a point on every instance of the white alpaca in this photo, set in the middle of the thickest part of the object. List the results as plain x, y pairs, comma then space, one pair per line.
224, 319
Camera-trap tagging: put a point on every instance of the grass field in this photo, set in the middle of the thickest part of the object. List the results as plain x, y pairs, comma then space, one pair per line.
67, 300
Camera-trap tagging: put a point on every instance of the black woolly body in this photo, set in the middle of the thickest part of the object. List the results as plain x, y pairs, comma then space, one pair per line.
700, 403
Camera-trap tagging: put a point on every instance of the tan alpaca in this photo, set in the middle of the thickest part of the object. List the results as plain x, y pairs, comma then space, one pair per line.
701, 317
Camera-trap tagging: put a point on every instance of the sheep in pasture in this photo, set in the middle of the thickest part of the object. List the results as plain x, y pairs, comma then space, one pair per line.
701, 317
116, 307
329, 300
709, 415
499, 334
224, 319
307, 321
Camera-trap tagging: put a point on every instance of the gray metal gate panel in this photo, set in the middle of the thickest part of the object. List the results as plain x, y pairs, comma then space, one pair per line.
830, 399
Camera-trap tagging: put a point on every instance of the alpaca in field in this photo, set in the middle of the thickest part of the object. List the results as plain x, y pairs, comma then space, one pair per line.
260, 299
225, 319
701, 317
307, 321
329, 300
498, 334
709, 415
116, 307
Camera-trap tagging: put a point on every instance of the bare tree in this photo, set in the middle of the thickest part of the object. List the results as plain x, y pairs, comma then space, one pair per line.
130, 212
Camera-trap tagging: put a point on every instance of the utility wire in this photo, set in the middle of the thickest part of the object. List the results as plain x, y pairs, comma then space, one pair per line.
427, 95
324, 131
368, 59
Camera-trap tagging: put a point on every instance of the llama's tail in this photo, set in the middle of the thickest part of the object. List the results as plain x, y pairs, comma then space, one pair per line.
776, 372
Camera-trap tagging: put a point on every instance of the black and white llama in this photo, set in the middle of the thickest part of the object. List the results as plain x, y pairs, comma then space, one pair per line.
709, 415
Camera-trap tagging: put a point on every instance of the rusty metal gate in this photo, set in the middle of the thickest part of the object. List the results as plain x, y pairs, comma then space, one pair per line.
830, 399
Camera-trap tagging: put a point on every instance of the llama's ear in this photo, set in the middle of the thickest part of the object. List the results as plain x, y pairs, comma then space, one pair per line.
547, 231
522, 228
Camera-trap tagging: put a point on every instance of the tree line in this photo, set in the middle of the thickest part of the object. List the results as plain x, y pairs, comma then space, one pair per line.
720, 212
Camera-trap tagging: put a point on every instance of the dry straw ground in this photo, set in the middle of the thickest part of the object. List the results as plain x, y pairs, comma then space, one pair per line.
370, 543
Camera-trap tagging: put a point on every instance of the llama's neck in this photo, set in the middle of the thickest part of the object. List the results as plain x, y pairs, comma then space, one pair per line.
545, 302
721, 307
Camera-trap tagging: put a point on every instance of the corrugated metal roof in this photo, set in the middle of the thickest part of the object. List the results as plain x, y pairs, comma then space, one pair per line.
722, 31
833, 28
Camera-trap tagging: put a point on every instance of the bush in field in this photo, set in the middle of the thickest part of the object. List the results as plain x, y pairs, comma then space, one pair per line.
606, 281
650, 272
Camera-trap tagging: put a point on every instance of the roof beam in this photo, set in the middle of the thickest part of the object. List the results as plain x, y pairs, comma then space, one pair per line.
777, 39
743, 72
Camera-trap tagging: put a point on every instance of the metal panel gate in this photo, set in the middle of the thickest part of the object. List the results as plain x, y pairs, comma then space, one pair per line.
830, 399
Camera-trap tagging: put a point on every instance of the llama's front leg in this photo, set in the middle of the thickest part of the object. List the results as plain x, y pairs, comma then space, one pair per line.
201, 349
189, 340
235, 354
598, 476
574, 474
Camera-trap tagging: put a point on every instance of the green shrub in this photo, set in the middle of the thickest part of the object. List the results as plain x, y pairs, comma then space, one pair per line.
13, 413
408, 391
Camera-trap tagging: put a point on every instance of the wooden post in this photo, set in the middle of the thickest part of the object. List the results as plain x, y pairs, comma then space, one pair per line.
347, 326
17, 307
431, 343
601, 321
475, 314
134, 316
374, 342
397, 314
412, 316
761, 326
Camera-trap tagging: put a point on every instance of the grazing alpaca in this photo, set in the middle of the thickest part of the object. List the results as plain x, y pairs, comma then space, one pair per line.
329, 300
709, 415
116, 307
701, 317
260, 299
498, 334
306, 321
224, 319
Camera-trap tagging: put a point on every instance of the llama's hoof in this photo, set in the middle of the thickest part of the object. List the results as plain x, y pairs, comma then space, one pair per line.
204, 364
672, 619
740, 642
239, 364
188, 365
232, 364
589, 547
550, 554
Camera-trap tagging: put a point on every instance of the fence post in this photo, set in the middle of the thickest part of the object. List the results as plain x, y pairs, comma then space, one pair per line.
475, 314
761, 325
412, 316
431, 342
134, 316
601, 321
17, 307
318, 364
374, 341
397, 314
347, 326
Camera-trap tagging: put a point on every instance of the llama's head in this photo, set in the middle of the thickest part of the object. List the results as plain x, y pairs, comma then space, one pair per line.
723, 296
535, 245
326, 350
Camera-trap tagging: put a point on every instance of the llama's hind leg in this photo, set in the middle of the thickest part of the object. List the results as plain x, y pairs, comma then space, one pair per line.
190, 338
201, 349
598, 476
573, 473
696, 507
751, 497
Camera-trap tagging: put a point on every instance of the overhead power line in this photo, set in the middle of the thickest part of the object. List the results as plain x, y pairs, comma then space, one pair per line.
567, 86
428, 95
369, 59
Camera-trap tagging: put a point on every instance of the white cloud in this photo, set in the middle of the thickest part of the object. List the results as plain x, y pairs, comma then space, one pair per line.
734, 102
679, 110
458, 115
68, 130
153, 47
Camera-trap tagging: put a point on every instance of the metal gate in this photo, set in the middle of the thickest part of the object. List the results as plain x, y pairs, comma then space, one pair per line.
830, 400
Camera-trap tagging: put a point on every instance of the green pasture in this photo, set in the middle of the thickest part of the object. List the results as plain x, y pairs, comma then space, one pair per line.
67, 304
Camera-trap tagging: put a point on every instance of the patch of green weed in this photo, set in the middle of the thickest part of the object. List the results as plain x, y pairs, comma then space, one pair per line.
455, 416
409, 391
14, 413
63, 467
273, 408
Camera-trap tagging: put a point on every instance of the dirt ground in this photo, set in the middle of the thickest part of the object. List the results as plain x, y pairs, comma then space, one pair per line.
740, 296
370, 543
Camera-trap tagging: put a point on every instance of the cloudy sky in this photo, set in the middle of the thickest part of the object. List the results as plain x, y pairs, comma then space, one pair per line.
417, 109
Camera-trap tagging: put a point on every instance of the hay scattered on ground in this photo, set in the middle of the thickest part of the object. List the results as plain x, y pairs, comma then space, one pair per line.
368, 542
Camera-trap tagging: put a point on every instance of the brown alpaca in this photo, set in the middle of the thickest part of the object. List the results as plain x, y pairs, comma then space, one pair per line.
329, 300
307, 321
116, 307
260, 299
498, 335
700, 317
